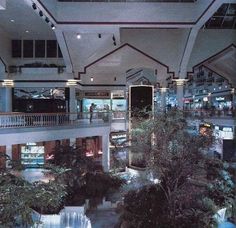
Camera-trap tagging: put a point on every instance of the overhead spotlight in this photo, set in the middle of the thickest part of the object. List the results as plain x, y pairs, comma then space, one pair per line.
53, 26
99, 35
78, 36
91, 79
114, 43
34, 6
47, 19
113, 38
40, 13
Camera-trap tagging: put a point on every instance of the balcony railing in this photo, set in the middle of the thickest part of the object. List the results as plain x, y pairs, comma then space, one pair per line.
21, 120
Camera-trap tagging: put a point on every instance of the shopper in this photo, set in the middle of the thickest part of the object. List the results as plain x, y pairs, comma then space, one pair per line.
91, 109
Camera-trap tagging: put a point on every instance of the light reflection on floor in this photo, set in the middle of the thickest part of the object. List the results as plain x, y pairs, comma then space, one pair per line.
34, 174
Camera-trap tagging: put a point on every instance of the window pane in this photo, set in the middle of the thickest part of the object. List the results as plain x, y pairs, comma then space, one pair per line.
28, 48
51, 48
16, 48
39, 48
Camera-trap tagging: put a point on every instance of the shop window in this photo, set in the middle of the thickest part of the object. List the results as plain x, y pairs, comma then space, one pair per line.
16, 48
28, 47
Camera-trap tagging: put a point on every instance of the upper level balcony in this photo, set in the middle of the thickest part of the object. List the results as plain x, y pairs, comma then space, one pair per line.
19, 120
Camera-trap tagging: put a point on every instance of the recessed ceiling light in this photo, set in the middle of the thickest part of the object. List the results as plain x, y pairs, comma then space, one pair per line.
78, 36
12, 20
53, 26
26, 31
40, 13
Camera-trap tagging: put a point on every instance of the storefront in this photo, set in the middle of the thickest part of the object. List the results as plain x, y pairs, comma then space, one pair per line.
32, 155
118, 149
223, 102
40, 100
118, 104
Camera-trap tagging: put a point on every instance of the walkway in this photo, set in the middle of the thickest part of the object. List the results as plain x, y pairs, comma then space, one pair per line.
103, 218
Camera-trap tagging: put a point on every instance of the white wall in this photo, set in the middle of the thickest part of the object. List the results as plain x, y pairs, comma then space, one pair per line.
209, 42
165, 45
24, 135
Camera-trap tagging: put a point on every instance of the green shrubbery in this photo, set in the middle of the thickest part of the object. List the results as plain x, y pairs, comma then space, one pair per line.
191, 186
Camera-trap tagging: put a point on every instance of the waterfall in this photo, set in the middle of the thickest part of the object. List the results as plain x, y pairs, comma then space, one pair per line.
74, 220
65, 220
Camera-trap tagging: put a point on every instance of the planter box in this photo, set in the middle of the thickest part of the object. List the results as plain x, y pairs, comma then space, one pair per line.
39, 70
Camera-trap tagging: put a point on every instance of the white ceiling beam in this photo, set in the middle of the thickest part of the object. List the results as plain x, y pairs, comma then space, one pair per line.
2, 4
193, 35
64, 50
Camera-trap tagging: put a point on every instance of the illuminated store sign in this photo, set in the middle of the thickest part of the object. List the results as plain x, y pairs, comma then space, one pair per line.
220, 98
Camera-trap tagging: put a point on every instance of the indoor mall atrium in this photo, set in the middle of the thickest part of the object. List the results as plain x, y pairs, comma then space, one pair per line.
118, 113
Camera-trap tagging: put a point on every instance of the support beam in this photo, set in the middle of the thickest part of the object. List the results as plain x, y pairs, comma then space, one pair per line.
193, 35
2, 4
163, 98
9, 153
105, 153
64, 50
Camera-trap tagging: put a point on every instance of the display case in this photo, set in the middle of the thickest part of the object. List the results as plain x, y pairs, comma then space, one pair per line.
32, 155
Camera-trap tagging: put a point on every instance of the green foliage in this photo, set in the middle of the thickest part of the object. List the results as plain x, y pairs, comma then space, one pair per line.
221, 187
98, 184
191, 185
18, 197
49, 197
80, 176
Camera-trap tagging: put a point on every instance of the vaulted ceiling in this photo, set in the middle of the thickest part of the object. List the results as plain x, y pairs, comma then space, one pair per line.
100, 24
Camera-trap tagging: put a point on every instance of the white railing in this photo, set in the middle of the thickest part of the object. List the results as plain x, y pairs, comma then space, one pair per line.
17, 120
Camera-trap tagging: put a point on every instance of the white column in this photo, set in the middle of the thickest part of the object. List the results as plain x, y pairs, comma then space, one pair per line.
8, 99
72, 103
72, 99
9, 153
105, 153
233, 91
180, 92
163, 98
73, 142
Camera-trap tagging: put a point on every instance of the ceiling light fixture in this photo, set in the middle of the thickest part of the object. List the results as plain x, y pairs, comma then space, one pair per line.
27, 31
53, 26
12, 20
47, 19
8, 83
40, 13
91, 79
78, 36
34, 6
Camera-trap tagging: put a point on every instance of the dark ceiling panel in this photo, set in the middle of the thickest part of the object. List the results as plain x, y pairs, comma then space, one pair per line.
223, 18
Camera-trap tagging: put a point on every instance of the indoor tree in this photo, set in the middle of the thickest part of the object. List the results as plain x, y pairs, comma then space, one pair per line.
178, 163
18, 198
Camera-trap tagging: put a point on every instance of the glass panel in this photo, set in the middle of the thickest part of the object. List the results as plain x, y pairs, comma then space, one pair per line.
40, 48
16, 48
51, 48
28, 47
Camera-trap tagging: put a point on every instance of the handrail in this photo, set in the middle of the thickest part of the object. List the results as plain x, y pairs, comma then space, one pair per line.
19, 120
